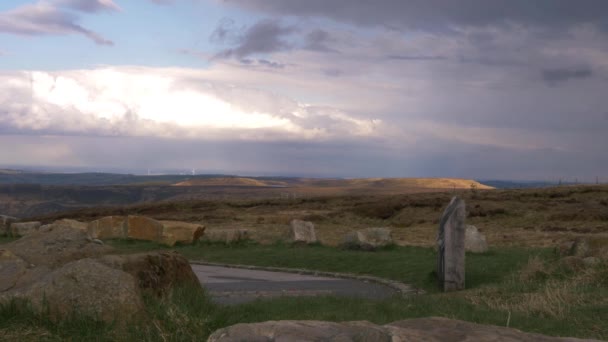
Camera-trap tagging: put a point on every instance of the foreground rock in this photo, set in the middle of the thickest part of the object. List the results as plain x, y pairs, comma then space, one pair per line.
55, 246
301, 232
85, 287
5, 223
61, 269
18, 229
368, 239
433, 329
227, 236
156, 272
474, 241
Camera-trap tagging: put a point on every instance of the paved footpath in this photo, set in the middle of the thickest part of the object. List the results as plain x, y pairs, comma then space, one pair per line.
234, 286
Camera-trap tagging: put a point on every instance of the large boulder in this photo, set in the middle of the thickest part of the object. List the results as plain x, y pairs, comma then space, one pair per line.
18, 229
181, 232
433, 329
55, 246
156, 272
84, 287
368, 239
474, 240
61, 270
5, 223
301, 232
144, 228
227, 236
109, 227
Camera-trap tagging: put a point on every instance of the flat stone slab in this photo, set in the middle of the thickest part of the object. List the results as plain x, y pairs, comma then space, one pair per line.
228, 285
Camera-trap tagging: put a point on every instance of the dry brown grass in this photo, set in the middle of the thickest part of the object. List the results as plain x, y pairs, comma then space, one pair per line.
25, 333
541, 289
524, 218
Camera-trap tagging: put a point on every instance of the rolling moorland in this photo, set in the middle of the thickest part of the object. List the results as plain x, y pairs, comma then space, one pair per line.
34, 194
520, 282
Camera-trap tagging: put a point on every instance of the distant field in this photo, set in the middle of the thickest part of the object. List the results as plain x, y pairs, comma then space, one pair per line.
533, 217
18, 198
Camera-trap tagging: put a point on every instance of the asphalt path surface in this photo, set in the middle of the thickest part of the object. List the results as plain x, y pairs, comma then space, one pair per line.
234, 286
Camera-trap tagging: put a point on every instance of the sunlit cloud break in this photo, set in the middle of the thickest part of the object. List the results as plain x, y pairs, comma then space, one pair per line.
158, 102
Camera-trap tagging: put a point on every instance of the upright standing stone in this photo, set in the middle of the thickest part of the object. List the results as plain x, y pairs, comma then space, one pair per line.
450, 246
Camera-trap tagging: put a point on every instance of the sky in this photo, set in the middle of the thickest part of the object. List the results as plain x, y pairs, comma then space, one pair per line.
484, 89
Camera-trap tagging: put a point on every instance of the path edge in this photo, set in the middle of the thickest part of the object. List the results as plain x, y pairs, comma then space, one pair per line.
401, 288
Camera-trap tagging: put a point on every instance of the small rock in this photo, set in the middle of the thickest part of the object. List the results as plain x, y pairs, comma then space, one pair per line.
580, 248
474, 241
302, 232
368, 239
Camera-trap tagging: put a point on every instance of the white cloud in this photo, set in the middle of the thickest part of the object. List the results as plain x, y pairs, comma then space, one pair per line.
159, 102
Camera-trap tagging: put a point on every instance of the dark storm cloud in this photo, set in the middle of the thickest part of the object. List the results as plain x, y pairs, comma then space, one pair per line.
417, 58
265, 36
439, 13
319, 40
555, 76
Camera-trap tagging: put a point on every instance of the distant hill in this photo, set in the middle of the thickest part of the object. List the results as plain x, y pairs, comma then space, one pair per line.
229, 181
506, 184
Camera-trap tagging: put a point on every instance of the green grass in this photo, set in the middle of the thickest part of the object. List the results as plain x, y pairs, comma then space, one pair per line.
413, 265
526, 287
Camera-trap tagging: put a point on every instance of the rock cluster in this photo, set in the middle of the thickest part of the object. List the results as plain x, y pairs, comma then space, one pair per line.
144, 228
63, 271
583, 252
432, 329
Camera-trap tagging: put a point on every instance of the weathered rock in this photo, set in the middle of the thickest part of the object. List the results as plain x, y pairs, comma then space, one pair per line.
444, 329
450, 246
5, 222
156, 272
474, 241
590, 247
55, 246
23, 228
12, 268
144, 228
109, 227
580, 248
368, 239
71, 224
85, 287
423, 329
182, 232
301, 232
227, 236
